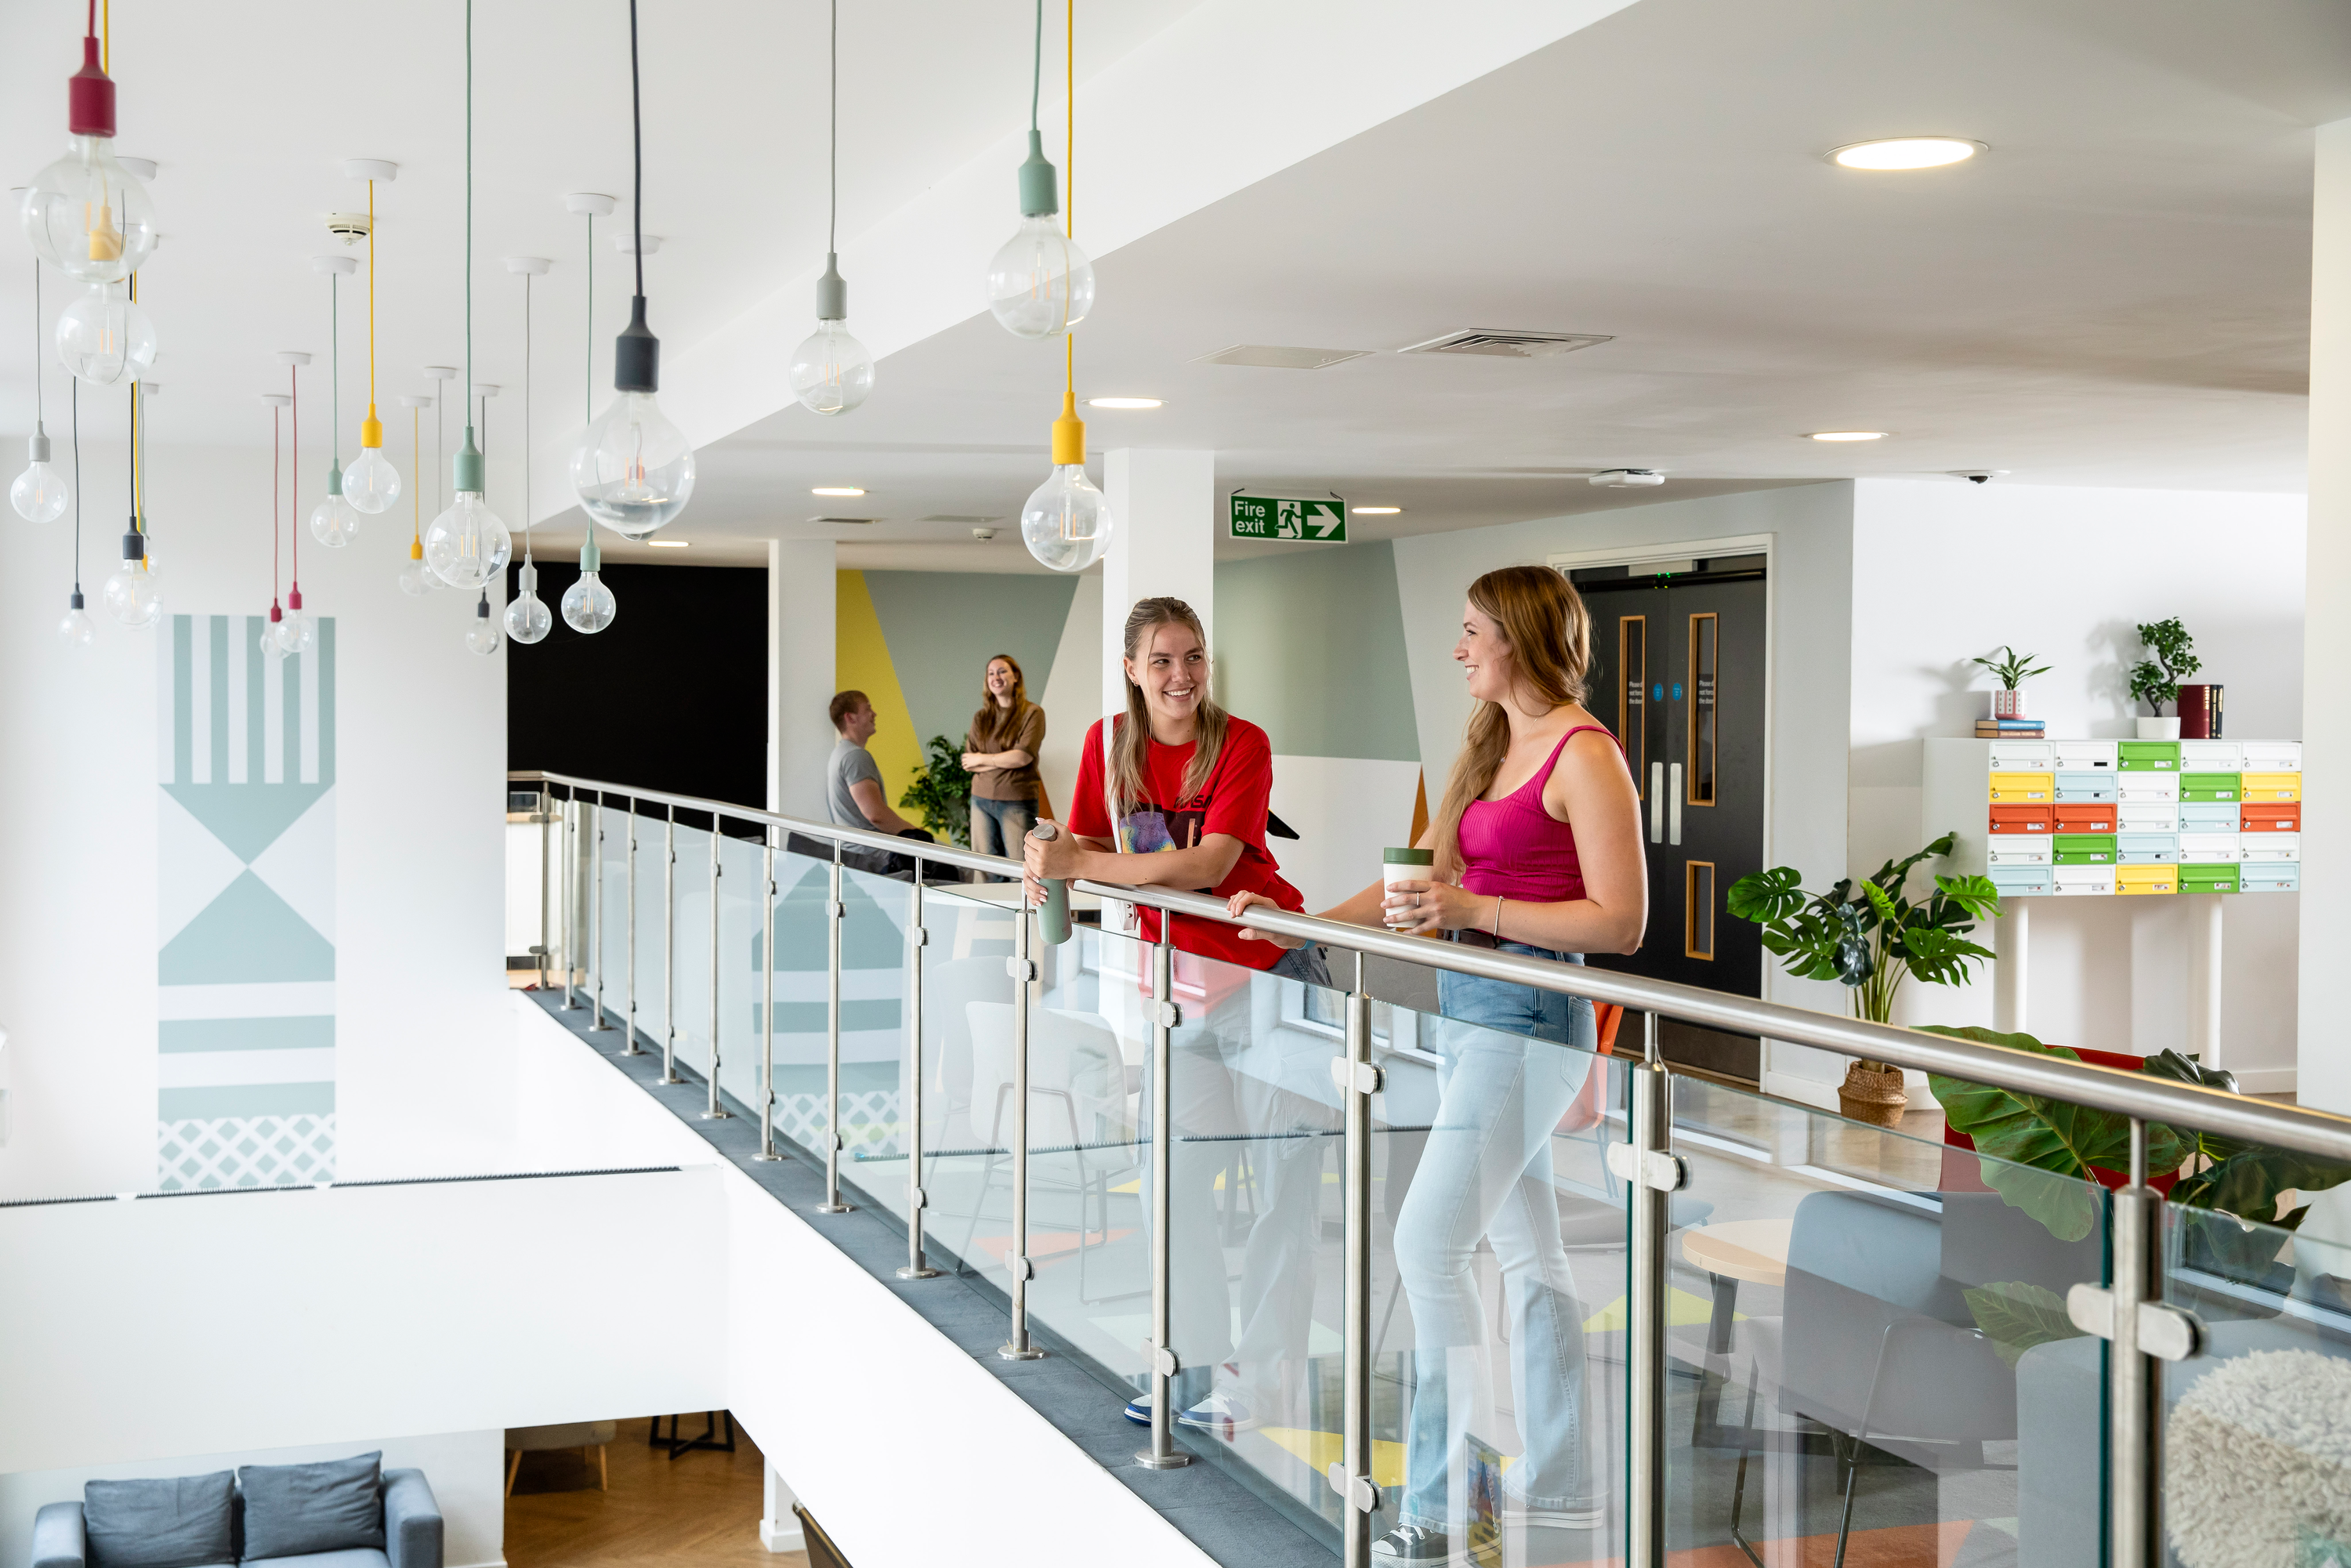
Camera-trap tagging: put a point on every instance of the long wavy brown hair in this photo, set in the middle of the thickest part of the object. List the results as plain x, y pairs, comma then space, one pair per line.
1543, 619
1130, 752
993, 727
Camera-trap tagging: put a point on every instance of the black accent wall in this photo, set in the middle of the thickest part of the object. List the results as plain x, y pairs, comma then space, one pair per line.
671, 695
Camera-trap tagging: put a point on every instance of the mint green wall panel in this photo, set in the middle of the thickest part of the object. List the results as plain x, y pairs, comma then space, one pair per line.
1310, 645
944, 626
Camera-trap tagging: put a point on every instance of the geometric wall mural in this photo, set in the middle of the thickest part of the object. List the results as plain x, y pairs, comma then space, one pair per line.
245, 877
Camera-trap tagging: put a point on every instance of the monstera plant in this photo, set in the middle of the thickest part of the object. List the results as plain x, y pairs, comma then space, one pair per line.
1870, 937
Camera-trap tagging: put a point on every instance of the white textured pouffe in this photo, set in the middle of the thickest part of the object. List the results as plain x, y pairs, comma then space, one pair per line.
2257, 1464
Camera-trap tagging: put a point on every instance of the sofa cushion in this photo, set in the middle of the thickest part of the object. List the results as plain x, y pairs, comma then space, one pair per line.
172, 1521
349, 1557
304, 1510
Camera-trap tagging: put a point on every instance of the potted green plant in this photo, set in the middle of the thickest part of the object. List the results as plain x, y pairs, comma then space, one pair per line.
1870, 937
2155, 681
942, 793
2013, 670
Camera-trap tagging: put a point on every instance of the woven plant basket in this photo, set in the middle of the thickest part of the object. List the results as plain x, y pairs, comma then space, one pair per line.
1876, 1098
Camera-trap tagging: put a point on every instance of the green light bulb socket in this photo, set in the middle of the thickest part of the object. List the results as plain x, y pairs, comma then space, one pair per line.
466, 467
334, 478
590, 558
1040, 181
832, 292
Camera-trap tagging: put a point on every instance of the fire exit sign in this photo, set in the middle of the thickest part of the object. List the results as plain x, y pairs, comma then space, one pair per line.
1273, 517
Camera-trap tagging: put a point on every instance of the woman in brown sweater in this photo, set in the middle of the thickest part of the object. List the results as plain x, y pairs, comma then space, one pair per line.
1000, 753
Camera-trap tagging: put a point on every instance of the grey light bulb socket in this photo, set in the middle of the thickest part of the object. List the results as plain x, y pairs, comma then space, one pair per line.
36, 447
466, 468
592, 559
134, 548
527, 578
74, 602
832, 292
1040, 181
334, 478
636, 353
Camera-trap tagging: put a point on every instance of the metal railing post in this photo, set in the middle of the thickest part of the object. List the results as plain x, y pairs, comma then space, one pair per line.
834, 912
716, 1112
546, 878
767, 998
918, 936
2134, 1383
570, 899
1651, 1129
629, 1046
596, 926
669, 951
1023, 970
1163, 1454
1350, 1475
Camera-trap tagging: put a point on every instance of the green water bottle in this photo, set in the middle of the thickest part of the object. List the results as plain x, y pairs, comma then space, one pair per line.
1054, 919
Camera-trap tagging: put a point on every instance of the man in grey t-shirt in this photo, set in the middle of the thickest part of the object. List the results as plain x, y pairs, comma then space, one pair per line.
852, 783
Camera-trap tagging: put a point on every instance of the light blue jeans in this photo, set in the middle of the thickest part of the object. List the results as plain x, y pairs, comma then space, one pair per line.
1506, 1080
999, 826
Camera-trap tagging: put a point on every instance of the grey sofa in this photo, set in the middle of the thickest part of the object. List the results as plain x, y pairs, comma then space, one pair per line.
339, 1514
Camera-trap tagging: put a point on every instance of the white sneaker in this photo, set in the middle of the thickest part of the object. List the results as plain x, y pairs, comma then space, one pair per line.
1517, 1513
1410, 1546
1224, 1413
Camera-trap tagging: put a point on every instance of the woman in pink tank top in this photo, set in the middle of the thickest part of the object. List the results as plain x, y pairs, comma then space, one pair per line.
1538, 851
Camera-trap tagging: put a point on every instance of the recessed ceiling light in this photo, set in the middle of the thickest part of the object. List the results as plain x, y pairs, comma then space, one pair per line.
1907, 152
1848, 435
1122, 403
1375, 511
836, 490
667, 544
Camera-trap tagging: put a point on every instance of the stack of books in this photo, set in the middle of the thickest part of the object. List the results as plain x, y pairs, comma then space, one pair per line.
2010, 729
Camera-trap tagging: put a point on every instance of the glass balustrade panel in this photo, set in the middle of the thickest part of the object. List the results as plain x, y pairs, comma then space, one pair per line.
655, 926
690, 949
967, 994
608, 937
803, 883
742, 887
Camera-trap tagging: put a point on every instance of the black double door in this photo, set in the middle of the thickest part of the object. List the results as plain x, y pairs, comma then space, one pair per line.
1679, 674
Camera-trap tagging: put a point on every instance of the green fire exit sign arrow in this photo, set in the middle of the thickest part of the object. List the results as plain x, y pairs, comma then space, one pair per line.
1273, 517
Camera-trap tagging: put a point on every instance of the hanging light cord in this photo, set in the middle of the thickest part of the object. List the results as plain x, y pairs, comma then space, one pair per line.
587, 394
415, 451
1068, 174
335, 371
138, 454
469, 196
833, 172
36, 343
76, 498
526, 419
1036, 66
294, 464
637, 149
371, 298
276, 463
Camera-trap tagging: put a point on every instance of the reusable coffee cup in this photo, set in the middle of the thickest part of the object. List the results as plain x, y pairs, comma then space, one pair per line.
1405, 865
1054, 918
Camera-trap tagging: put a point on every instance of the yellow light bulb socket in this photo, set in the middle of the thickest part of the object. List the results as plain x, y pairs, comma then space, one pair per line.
371, 429
416, 549
1069, 434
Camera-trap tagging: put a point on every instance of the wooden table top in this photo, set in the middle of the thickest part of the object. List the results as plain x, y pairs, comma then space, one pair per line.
1755, 1250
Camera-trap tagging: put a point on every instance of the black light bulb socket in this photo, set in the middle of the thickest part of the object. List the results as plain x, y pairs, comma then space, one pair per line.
1039, 183
482, 611
76, 601
636, 353
134, 548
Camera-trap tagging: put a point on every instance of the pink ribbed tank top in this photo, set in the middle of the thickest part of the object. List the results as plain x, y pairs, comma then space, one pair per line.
1514, 849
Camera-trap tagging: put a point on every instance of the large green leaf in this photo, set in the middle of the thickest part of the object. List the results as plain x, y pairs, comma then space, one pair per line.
2015, 1316
1766, 897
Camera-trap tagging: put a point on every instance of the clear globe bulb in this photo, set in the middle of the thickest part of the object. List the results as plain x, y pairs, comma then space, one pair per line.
133, 595
634, 471
297, 632
416, 579
1066, 523
269, 639
88, 215
334, 521
831, 372
104, 339
528, 620
39, 494
587, 605
76, 629
1040, 284
482, 636
467, 545
371, 484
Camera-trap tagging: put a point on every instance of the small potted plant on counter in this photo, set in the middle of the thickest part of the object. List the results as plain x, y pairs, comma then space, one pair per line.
1871, 937
2155, 681
2013, 670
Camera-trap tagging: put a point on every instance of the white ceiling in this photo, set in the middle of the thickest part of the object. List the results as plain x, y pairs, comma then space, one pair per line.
2115, 294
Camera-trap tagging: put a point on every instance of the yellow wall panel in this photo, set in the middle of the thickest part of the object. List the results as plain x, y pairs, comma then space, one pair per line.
861, 660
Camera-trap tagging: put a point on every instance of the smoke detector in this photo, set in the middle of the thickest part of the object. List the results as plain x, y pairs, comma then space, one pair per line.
349, 227
983, 535
1975, 476
1627, 478
1509, 343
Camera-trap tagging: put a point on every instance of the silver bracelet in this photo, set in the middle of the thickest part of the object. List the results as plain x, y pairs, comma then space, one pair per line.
1498, 917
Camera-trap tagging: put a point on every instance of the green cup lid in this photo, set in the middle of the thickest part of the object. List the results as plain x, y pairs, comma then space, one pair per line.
1409, 857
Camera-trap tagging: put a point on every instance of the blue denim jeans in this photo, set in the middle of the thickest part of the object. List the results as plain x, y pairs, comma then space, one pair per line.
1506, 1080
999, 826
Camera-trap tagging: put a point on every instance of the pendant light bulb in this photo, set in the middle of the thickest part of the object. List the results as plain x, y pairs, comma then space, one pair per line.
39, 494
104, 339
371, 484
467, 545
299, 630
76, 629
416, 579
527, 617
1066, 523
133, 592
482, 636
587, 605
1040, 284
831, 372
86, 214
334, 520
634, 472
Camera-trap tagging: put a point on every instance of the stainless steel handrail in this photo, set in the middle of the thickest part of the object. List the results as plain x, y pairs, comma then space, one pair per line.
2103, 1088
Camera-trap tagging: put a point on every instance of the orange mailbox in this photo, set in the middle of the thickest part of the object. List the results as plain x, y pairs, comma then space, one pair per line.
2268, 816
2095, 818
2025, 820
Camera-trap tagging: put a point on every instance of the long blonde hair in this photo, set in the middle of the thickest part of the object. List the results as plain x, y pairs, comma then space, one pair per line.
992, 724
1543, 619
1129, 751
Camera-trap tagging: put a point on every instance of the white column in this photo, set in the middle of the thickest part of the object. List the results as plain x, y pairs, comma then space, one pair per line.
799, 673
2204, 989
1163, 505
780, 1527
2323, 1062
2011, 941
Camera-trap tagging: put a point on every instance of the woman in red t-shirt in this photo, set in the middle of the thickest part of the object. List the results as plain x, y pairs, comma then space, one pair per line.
1180, 801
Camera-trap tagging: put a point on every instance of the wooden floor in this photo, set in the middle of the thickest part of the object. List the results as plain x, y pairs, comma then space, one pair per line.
702, 1508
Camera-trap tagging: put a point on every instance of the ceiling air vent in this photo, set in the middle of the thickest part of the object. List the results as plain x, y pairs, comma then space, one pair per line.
1509, 343
955, 517
860, 521
1274, 359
